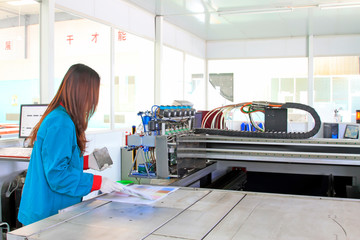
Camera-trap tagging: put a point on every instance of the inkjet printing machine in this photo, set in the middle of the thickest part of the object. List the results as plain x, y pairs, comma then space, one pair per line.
188, 147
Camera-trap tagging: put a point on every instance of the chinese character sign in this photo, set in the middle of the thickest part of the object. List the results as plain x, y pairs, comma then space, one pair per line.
121, 36
70, 38
8, 45
12, 43
94, 39
81, 38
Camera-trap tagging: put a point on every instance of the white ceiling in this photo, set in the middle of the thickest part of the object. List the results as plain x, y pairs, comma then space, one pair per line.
254, 19
9, 11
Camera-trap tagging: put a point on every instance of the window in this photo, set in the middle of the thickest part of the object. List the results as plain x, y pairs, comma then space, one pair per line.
134, 77
276, 80
194, 89
337, 87
19, 59
279, 80
172, 84
79, 40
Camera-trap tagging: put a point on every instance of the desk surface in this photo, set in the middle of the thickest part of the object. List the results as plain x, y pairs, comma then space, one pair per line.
15, 154
204, 214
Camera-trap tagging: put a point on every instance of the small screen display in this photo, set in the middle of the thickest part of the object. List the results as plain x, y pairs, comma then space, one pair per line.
351, 131
30, 115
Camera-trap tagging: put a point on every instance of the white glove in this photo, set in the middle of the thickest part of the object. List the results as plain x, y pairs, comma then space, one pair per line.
100, 159
108, 186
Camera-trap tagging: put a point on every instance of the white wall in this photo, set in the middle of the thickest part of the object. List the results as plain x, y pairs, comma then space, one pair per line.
134, 20
176, 37
114, 13
343, 45
258, 48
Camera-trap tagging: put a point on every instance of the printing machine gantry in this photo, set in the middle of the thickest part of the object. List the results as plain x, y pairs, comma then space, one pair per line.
337, 157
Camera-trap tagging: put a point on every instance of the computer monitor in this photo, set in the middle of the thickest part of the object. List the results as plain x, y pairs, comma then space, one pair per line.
30, 114
351, 131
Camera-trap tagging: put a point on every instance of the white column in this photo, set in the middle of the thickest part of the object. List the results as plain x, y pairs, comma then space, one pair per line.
184, 76
158, 58
47, 20
206, 79
112, 79
310, 53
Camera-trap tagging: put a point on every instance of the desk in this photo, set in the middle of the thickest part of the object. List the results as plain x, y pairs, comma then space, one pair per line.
190, 213
15, 154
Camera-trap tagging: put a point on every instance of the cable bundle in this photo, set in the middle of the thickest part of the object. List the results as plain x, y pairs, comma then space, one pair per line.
216, 117
215, 120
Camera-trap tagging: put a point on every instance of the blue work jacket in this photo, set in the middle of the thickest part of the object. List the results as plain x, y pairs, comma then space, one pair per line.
55, 177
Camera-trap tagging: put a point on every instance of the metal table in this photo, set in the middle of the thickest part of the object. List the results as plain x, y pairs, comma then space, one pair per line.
204, 214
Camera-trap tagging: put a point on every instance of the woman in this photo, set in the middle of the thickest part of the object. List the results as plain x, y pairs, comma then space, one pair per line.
55, 177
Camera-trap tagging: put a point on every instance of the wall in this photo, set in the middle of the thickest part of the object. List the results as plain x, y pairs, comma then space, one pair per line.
178, 38
344, 45
114, 13
132, 19
260, 48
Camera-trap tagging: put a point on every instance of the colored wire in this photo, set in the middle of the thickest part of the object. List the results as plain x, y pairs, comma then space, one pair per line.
219, 115
208, 115
152, 112
143, 122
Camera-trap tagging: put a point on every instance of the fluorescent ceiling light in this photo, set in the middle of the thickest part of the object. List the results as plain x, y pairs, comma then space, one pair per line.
257, 11
22, 2
339, 5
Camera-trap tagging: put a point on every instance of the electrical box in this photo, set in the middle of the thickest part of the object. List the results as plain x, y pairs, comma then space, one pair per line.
331, 130
276, 119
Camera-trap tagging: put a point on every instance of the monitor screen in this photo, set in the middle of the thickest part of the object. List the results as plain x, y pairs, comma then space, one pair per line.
30, 114
351, 131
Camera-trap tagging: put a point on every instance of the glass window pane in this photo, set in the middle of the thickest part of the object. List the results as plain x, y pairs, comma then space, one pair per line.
134, 77
301, 90
340, 92
172, 83
355, 96
355, 86
322, 89
194, 89
19, 60
275, 87
258, 79
286, 89
79, 40
341, 87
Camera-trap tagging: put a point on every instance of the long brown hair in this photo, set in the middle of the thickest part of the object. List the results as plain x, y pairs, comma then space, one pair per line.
79, 95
